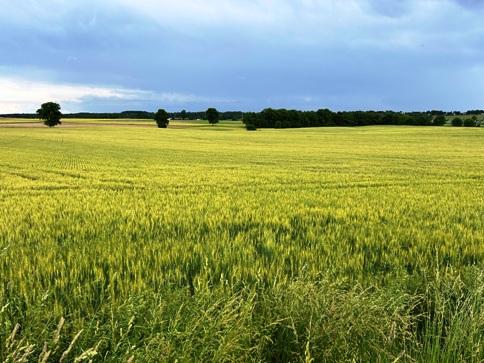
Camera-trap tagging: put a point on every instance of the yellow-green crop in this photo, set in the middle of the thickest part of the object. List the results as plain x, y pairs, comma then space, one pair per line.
138, 208
92, 215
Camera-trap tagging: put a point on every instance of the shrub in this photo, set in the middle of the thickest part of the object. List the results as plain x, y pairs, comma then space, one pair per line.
250, 127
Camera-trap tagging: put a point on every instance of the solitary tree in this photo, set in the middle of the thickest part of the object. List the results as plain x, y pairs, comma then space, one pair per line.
212, 116
50, 113
183, 114
161, 118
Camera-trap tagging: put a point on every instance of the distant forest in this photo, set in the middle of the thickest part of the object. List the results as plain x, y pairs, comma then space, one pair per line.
282, 118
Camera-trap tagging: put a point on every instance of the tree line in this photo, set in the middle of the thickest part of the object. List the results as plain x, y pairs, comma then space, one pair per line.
272, 118
142, 115
282, 118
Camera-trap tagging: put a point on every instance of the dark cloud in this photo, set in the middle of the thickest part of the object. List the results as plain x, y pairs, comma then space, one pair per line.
399, 54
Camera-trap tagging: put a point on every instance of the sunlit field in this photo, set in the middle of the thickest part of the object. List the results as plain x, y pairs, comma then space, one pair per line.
211, 243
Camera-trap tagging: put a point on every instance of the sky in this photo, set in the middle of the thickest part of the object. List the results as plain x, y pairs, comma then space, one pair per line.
241, 55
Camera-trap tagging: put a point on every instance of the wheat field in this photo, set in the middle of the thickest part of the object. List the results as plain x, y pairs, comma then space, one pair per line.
102, 225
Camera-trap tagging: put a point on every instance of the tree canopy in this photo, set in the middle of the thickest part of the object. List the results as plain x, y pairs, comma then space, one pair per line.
470, 122
212, 116
162, 118
50, 113
457, 121
439, 120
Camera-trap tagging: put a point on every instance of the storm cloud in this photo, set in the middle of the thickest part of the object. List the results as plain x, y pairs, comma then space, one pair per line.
241, 55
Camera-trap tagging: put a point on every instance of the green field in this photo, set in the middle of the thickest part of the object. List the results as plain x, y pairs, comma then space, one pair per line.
211, 243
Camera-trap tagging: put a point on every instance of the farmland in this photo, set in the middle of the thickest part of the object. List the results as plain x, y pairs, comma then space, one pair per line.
214, 243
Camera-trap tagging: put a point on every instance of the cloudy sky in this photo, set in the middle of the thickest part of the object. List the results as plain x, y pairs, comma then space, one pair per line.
115, 55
